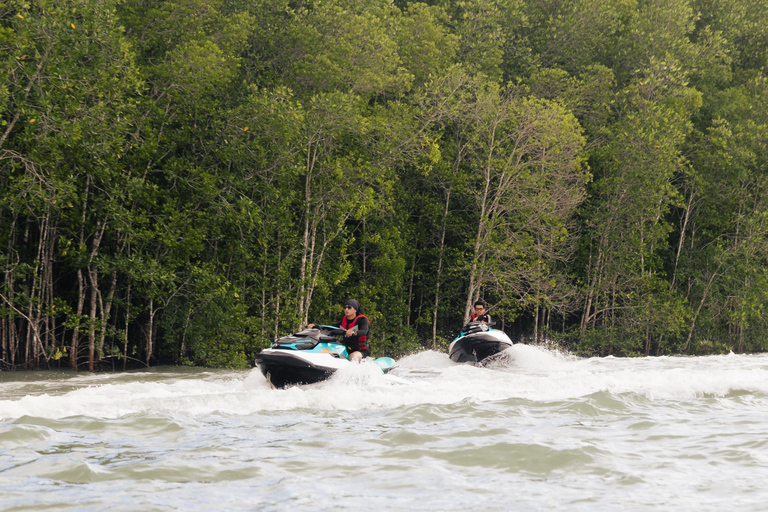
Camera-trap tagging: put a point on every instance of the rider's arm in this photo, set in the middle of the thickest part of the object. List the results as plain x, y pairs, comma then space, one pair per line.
362, 326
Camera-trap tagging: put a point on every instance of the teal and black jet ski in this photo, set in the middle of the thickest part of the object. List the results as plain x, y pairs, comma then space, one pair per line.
478, 341
309, 356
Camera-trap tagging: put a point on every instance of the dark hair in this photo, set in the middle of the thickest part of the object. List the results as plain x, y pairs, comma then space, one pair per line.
480, 302
354, 304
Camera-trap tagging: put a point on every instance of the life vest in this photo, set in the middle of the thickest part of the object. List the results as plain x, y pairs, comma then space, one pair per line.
362, 341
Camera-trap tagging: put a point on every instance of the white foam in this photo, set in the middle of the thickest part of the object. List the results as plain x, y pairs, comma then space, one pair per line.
530, 373
533, 356
427, 359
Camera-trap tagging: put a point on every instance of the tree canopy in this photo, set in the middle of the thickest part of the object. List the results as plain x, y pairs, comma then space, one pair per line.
182, 182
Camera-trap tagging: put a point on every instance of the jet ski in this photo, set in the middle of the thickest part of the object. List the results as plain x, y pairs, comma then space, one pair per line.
308, 356
478, 341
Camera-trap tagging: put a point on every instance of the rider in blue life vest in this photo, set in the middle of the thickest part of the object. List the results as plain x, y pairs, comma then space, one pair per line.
355, 340
480, 314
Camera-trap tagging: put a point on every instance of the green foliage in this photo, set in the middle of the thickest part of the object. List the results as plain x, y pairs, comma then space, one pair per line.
334, 47
213, 330
608, 341
185, 181
425, 45
576, 34
402, 344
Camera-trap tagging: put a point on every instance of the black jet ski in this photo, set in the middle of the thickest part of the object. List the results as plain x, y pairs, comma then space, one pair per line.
478, 341
309, 356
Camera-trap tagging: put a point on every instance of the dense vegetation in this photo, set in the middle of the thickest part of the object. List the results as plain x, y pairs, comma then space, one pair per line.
182, 181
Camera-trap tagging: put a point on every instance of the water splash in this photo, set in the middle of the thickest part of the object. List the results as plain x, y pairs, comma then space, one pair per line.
525, 372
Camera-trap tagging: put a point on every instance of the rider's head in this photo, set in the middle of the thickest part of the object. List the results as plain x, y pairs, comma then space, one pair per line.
351, 308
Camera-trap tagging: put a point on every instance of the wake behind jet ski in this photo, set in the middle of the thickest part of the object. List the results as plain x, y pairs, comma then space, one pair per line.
478, 341
308, 356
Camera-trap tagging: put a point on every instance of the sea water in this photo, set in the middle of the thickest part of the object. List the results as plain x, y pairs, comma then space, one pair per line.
534, 430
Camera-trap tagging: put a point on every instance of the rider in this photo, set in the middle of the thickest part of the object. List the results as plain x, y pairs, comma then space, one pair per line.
480, 314
356, 340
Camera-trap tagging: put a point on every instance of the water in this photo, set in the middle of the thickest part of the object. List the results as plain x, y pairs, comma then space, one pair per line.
536, 431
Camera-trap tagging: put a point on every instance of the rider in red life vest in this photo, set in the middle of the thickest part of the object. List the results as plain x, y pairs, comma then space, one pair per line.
356, 340
480, 314
357, 343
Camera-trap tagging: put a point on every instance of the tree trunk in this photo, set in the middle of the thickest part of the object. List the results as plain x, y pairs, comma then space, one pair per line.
127, 320
93, 274
647, 342
682, 238
303, 267
150, 330
479, 248
106, 311
94, 278
701, 305
50, 320
306, 292
183, 347
278, 284
13, 342
74, 347
440, 269
410, 290
3, 340
305, 251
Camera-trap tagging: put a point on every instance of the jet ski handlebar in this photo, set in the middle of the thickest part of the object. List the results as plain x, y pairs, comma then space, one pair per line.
328, 330
477, 326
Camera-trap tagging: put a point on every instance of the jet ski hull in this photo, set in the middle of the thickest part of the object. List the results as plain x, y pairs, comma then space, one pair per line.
307, 357
475, 347
286, 368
